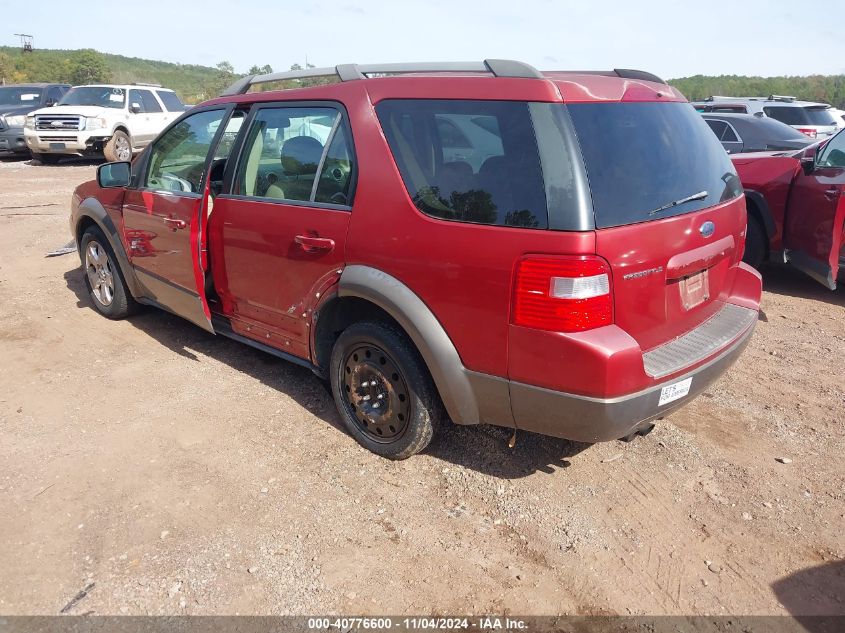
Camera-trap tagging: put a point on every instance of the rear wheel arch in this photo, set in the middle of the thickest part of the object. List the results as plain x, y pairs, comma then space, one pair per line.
758, 209
402, 306
761, 229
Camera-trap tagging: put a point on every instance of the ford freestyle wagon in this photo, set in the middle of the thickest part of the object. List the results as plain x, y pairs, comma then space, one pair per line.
557, 252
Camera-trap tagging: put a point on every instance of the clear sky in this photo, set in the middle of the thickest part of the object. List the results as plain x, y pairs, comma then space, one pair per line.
671, 39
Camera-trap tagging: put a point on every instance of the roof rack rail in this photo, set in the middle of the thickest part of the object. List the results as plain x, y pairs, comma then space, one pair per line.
141, 83
628, 73
352, 72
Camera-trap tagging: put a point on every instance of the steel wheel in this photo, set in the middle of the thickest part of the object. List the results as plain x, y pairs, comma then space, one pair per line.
375, 390
122, 148
100, 274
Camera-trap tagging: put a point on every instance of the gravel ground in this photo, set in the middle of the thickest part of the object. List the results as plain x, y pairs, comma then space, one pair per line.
164, 470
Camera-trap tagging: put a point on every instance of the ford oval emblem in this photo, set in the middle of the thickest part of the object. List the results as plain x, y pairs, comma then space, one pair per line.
707, 229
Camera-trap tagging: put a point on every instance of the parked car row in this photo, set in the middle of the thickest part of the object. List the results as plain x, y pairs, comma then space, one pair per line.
51, 121
796, 208
816, 120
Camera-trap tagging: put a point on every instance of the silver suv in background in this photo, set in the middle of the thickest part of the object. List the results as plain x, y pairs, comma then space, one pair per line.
816, 120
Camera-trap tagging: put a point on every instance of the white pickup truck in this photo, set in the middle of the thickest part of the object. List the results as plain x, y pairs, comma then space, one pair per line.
108, 120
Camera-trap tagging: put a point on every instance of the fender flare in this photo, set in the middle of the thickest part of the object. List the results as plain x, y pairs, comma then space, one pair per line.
439, 353
92, 209
764, 212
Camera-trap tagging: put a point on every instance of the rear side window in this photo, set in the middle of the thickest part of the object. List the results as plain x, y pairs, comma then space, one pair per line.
469, 161
149, 101
170, 101
644, 156
718, 127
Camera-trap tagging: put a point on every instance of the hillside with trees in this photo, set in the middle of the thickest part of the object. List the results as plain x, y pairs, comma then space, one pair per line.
191, 82
825, 88
195, 83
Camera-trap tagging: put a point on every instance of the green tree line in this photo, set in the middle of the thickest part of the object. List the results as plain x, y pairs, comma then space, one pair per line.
824, 88
195, 83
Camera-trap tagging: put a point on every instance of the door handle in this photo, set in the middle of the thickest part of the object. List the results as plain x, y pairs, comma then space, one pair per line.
831, 193
313, 244
175, 223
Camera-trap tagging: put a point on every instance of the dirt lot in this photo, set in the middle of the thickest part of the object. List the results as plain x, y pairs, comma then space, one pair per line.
172, 471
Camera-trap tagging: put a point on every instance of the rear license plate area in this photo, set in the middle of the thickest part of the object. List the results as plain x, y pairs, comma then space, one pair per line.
57, 146
695, 289
675, 391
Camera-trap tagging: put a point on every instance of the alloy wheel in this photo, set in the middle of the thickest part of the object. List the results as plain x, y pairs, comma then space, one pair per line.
100, 274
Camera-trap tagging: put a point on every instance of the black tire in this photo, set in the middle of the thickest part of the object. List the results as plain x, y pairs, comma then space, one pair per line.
106, 286
119, 147
395, 410
47, 159
755, 244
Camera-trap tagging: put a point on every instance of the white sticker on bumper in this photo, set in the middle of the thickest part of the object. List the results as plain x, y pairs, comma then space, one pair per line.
674, 391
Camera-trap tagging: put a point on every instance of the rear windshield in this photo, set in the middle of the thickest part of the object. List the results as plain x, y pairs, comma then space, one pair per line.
643, 156
800, 116
779, 130
469, 161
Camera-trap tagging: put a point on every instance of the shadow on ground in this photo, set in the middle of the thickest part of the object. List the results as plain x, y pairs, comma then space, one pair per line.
815, 596
786, 280
480, 448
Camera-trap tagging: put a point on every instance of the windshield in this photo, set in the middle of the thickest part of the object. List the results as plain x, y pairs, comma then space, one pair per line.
20, 96
800, 116
644, 156
103, 96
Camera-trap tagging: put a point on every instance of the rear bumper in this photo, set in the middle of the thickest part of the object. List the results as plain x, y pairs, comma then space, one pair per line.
586, 419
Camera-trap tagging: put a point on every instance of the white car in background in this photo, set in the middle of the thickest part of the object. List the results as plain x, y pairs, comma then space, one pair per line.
108, 120
816, 120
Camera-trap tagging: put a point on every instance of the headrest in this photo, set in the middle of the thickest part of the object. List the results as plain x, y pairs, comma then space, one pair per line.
301, 155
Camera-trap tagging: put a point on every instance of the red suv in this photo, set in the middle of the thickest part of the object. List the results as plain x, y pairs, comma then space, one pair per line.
554, 252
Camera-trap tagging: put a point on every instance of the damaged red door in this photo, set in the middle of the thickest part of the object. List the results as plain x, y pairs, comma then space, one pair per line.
816, 214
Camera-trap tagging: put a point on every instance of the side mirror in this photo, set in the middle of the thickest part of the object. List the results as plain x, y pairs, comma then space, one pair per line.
135, 108
50, 103
808, 159
112, 175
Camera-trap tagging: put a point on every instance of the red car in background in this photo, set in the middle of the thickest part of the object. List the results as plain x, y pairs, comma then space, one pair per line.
796, 209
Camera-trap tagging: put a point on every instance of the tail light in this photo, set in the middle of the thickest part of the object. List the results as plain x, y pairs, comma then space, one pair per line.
562, 294
808, 131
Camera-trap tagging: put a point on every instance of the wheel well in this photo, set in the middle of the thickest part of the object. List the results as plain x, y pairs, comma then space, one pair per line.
337, 315
121, 128
84, 224
754, 214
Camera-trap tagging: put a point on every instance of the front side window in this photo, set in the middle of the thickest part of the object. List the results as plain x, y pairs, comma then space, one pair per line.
833, 154
641, 157
297, 153
468, 161
178, 157
54, 94
103, 96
